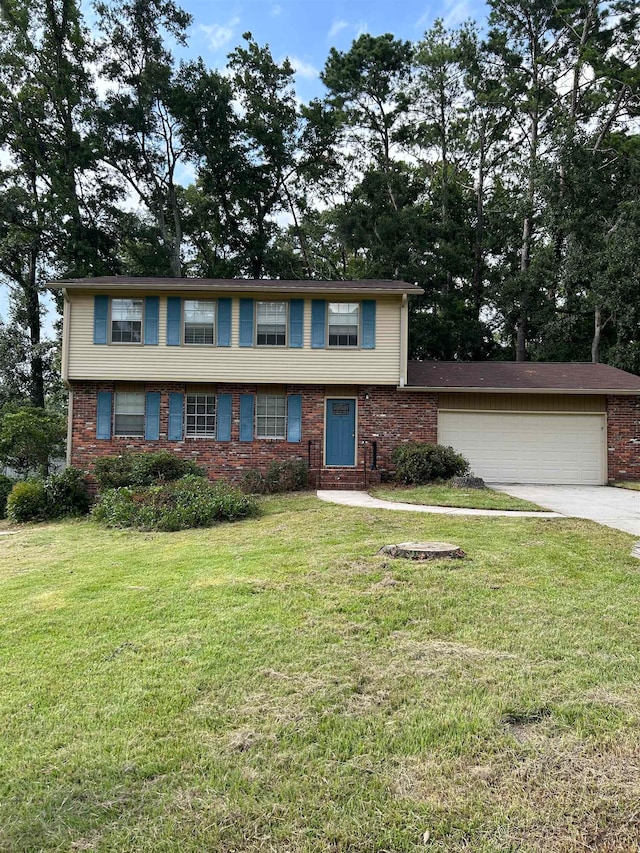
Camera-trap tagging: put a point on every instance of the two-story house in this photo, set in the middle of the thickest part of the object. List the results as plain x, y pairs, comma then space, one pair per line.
237, 373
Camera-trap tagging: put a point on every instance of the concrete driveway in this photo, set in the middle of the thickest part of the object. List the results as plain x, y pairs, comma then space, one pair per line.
618, 508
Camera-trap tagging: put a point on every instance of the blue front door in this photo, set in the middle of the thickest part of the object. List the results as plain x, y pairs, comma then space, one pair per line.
341, 432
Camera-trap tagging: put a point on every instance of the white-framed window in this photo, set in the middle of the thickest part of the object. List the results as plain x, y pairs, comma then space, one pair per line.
271, 416
126, 321
200, 417
344, 324
271, 324
199, 321
128, 413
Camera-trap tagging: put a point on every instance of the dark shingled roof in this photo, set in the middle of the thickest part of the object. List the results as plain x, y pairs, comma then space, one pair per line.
520, 376
125, 282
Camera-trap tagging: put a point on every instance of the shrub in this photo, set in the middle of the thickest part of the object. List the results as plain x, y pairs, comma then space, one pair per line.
418, 463
59, 495
30, 437
143, 469
6, 484
67, 493
289, 476
185, 503
27, 502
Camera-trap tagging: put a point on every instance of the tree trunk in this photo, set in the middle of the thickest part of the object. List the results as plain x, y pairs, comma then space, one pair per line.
597, 332
521, 339
478, 249
32, 309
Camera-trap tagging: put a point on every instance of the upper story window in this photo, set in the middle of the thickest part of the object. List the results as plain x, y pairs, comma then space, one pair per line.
271, 324
199, 321
126, 321
128, 413
200, 418
344, 323
271, 416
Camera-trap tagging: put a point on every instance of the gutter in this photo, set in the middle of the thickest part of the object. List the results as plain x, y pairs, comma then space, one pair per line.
445, 389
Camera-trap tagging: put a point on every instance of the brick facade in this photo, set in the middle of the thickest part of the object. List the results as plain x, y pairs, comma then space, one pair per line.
384, 416
623, 438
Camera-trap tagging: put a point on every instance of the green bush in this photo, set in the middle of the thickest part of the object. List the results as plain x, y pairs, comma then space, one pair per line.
6, 484
289, 476
143, 469
57, 496
189, 502
416, 463
30, 438
67, 493
27, 502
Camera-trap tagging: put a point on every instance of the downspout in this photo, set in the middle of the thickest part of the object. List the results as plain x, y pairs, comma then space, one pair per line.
66, 331
404, 339
69, 426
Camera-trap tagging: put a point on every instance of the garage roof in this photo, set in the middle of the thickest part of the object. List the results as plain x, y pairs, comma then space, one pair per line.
527, 377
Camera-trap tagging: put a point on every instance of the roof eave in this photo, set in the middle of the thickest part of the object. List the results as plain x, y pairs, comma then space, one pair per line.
474, 389
241, 285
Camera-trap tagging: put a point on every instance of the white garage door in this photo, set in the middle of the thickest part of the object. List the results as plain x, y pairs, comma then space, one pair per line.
505, 447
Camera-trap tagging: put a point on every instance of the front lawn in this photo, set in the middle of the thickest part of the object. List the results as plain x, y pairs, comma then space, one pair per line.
275, 685
441, 495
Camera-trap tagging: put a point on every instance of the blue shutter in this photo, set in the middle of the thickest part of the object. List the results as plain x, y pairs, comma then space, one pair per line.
152, 416
223, 417
246, 322
100, 319
296, 323
175, 417
174, 320
151, 319
246, 417
223, 337
294, 417
368, 324
318, 315
103, 417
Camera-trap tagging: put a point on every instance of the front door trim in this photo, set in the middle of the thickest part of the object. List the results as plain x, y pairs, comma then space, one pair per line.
349, 397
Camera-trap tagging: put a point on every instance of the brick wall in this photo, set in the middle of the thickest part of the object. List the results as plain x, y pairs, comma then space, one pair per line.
386, 416
623, 438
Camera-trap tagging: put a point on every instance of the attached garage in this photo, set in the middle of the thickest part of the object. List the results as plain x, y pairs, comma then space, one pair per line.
525, 422
529, 447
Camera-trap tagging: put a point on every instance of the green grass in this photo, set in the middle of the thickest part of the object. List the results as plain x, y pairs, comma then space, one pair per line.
628, 485
275, 685
441, 495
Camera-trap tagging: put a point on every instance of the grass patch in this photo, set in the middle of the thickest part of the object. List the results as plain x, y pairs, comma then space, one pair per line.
275, 685
634, 487
440, 495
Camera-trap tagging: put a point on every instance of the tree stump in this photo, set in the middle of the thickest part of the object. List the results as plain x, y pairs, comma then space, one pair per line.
423, 551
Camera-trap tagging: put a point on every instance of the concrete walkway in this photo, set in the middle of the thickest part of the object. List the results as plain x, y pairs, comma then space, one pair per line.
617, 508
362, 499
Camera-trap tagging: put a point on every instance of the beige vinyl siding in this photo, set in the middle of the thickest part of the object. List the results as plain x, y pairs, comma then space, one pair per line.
381, 365
523, 402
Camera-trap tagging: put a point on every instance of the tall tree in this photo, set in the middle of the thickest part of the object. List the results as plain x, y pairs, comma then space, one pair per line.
138, 121
50, 214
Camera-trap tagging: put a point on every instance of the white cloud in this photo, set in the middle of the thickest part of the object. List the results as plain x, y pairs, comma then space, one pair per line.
304, 69
337, 27
276, 10
361, 29
453, 12
219, 35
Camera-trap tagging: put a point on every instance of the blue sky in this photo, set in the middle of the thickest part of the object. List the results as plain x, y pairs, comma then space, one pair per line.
303, 30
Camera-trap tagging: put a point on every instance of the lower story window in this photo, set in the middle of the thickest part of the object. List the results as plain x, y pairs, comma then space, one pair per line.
201, 415
128, 416
271, 416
